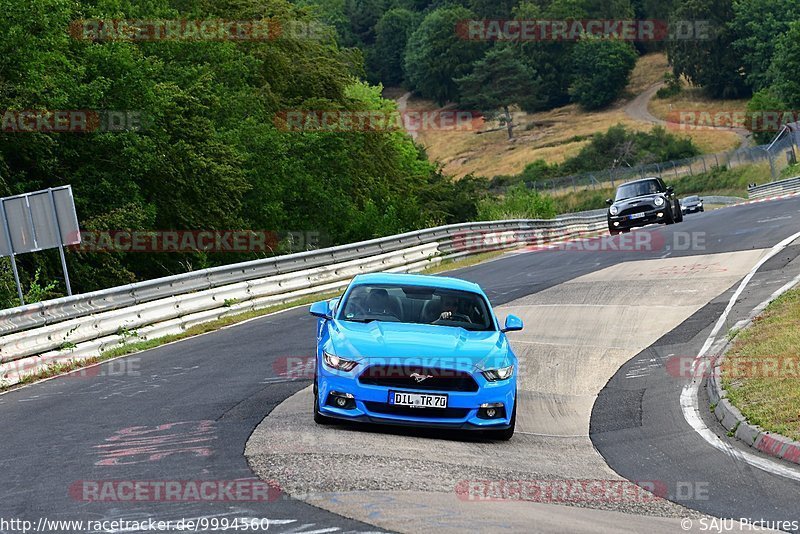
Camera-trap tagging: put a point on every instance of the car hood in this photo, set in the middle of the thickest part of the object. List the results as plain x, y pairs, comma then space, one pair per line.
637, 201
416, 344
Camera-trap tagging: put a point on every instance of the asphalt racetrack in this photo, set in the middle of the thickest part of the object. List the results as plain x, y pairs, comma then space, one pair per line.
599, 401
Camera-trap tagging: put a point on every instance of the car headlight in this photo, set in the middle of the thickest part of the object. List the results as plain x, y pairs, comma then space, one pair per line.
340, 364
613, 210
493, 375
659, 201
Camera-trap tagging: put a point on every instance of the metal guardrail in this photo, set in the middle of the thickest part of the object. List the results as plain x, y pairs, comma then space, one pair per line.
75, 327
781, 187
712, 199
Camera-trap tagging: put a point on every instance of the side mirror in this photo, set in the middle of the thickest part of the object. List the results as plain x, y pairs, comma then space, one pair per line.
513, 324
609, 201
321, 310
670, 189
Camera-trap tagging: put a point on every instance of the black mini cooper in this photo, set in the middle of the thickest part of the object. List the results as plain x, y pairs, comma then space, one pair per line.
642, 202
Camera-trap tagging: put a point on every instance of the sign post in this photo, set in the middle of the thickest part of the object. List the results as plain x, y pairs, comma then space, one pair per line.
39, 221
11, 253
60, 243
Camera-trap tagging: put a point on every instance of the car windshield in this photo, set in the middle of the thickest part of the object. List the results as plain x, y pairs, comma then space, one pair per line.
637, 189
417, 305
691, 199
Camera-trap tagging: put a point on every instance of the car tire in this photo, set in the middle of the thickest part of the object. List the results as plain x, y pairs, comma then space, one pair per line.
670, 215
678, 212
614, 232
507, 433
318, 417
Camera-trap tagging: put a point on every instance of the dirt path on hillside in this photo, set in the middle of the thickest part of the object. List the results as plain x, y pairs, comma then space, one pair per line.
402, 105
638, 109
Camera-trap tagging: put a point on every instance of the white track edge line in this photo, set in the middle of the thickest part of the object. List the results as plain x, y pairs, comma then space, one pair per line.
690, 404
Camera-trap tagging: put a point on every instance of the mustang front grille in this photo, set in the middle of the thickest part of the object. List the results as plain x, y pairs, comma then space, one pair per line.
418, 378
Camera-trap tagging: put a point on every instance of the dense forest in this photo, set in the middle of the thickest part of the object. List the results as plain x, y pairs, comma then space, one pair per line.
731, 48
210, 155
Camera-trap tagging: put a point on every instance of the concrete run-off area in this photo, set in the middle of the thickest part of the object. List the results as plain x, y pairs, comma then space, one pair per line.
577, 336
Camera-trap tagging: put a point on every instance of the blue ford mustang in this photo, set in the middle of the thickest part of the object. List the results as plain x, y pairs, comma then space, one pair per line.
415, 350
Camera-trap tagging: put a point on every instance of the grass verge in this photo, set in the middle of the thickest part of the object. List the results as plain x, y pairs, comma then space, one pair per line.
761, 373
131, 347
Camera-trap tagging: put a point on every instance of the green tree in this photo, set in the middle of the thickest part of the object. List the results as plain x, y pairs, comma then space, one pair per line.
363, 16
549, 58
608, 9
785, 66
601, 68
711, 63
492, 9
436, 55
656, 10
212, 154
391, 35
519, 202
763, 101
498, 81
332, 13
620, 147
757, 26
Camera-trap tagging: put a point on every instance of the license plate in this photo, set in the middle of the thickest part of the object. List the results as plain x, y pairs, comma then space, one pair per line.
417, 400
636, 216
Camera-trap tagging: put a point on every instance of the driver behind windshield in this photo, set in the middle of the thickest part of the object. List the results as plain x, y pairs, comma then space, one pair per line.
379, 302
449, 307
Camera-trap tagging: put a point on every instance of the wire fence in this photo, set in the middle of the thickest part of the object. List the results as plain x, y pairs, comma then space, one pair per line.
779, 154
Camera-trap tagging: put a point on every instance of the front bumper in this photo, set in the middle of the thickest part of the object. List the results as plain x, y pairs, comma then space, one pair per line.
623, 222
371, 403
